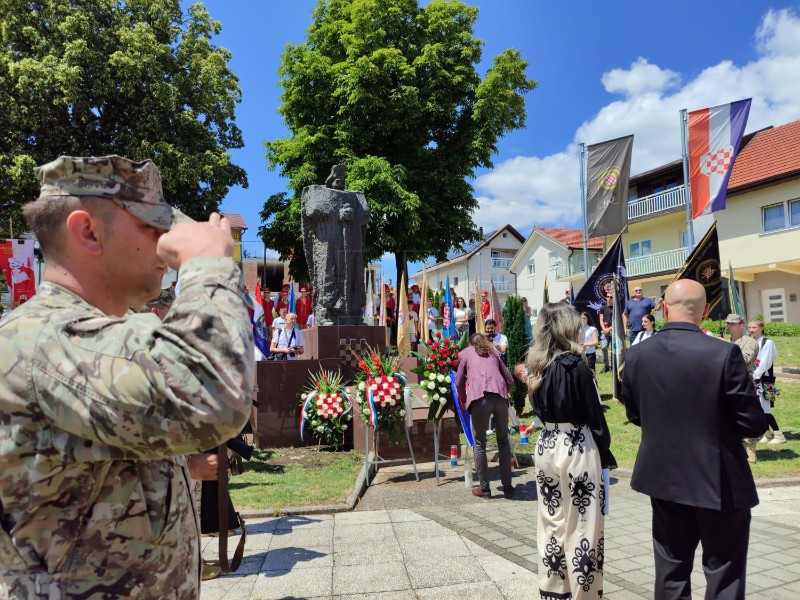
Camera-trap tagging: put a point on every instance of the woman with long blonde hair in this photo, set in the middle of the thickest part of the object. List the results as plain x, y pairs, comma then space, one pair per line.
573, 449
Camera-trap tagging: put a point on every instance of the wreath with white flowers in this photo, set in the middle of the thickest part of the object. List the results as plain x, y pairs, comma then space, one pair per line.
326, 409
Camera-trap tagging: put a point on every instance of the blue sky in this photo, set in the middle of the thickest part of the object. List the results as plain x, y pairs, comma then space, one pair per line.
604, 70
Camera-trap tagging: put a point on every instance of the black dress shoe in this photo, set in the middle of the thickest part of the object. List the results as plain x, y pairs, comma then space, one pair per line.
481, 493
508, 491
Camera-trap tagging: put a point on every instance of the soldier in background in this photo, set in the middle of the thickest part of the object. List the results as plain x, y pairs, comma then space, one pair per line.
749, 348
99, 404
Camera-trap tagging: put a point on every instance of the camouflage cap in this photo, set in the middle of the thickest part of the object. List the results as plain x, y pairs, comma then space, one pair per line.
134, 186
734, 318
165, 298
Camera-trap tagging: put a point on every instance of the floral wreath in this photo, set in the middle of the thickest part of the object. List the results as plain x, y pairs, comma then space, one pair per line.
326, 408
379, 392
434, 372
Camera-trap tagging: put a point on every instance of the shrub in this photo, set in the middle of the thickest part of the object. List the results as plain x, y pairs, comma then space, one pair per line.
782, 329
514, 330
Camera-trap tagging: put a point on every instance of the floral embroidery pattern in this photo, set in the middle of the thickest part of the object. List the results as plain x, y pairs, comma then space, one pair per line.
574, 439
549, 492
547, 439
601, 552
602, 499
554, 559
580, 488
585, 563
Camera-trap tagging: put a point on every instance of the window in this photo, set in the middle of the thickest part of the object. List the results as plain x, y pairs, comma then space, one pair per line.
773, 218
780, 216
643, 248
455, 281
553, 260
495, 254
531, 269
684, 239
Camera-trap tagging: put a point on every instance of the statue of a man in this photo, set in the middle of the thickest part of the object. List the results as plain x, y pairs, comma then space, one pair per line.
332, 222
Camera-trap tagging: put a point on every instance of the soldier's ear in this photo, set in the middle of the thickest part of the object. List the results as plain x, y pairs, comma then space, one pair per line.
82, 233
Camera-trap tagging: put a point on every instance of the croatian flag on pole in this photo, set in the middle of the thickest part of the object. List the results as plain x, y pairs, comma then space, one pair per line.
715, 135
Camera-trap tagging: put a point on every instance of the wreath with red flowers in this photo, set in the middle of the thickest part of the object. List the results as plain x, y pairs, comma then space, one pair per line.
434, 372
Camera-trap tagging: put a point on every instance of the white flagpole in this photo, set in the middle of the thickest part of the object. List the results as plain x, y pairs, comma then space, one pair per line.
686, 189
583, 211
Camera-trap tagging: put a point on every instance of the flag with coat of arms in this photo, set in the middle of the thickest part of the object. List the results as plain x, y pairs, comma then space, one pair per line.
715, 136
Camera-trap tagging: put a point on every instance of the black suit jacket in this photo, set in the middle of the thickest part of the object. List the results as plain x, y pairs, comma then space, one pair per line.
694, 400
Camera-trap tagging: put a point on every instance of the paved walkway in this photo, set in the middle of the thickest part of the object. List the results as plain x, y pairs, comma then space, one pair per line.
411, 539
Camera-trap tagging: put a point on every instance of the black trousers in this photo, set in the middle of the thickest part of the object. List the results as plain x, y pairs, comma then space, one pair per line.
725, 535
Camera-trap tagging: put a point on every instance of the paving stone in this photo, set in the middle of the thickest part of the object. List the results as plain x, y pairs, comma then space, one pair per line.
483, 590
449, 546
364, 533
361, 518
371, 578
285, 559
426, 529
384, 550
297, 583
404, 515
499, 569
519, 589
445, 571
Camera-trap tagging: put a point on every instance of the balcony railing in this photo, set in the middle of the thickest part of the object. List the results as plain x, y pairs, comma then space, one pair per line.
505, 287
658, 262
565, 268
656, 203
501, 263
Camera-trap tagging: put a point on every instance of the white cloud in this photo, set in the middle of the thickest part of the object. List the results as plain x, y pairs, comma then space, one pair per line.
530, 190
639, 78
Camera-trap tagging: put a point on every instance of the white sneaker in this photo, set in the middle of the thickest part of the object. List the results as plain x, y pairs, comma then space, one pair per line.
765, 439
778, 438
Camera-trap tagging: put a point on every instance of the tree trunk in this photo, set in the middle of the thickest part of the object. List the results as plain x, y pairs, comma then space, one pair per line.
402, 269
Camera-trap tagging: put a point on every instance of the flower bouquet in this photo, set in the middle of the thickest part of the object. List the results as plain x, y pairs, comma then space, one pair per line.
379, 393
434, 373
326, 408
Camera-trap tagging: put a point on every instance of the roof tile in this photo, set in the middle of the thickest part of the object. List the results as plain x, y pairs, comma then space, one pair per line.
771, 153
236, 220
571, 238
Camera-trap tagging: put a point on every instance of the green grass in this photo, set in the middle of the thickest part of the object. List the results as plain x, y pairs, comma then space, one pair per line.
281, 477
788, 352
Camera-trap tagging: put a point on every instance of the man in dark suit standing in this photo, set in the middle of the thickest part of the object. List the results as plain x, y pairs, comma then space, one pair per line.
694, 412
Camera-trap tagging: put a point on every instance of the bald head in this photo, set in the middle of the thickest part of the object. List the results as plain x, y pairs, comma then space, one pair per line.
685, 300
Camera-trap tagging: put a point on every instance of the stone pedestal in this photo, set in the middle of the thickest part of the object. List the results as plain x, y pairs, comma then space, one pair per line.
280, 384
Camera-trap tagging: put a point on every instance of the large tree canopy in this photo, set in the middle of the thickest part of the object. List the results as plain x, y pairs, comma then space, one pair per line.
391, 88
137, 78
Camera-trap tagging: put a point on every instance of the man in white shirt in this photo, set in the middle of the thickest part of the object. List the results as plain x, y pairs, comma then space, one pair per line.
499, 341
764, 380
288, 340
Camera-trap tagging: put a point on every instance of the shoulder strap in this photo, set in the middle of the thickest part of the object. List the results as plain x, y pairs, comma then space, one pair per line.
222, 502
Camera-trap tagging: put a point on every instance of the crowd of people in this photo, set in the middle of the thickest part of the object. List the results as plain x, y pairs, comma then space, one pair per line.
107, 411
699, 430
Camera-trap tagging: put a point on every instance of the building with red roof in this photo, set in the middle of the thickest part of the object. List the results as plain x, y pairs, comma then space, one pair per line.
759, 231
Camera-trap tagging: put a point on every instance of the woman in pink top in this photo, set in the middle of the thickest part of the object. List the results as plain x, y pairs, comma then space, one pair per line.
484, 381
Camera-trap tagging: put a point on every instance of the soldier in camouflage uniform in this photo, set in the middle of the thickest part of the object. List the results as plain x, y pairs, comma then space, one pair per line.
749, 348
97, 403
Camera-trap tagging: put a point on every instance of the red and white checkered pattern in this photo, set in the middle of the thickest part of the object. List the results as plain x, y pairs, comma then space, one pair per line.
718, 162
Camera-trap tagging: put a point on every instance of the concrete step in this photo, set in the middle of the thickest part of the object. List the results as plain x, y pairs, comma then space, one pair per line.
789, 373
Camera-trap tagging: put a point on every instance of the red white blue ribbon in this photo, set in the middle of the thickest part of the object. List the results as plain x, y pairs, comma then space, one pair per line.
303, 413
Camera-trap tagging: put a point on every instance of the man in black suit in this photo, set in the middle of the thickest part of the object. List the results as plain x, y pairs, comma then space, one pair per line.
694, 411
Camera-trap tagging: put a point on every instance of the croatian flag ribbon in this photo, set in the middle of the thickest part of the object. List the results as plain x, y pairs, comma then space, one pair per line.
715, 135
463, 415
311, 396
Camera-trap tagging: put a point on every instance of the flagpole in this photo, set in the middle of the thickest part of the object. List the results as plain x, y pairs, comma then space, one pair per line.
583, 212
686, 189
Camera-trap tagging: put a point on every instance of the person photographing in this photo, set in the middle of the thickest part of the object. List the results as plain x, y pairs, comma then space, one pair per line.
287, 342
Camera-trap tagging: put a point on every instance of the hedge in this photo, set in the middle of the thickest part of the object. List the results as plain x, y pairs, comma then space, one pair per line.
770, 329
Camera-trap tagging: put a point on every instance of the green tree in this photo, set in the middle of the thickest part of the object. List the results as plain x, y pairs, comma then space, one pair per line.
139, 78
514, 330
391, 88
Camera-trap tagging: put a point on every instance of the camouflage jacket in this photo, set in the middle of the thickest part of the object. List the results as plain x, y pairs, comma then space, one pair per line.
94, 410
749, 348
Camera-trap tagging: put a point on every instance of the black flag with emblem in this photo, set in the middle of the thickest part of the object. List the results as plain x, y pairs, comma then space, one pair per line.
703, 266
608, 169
